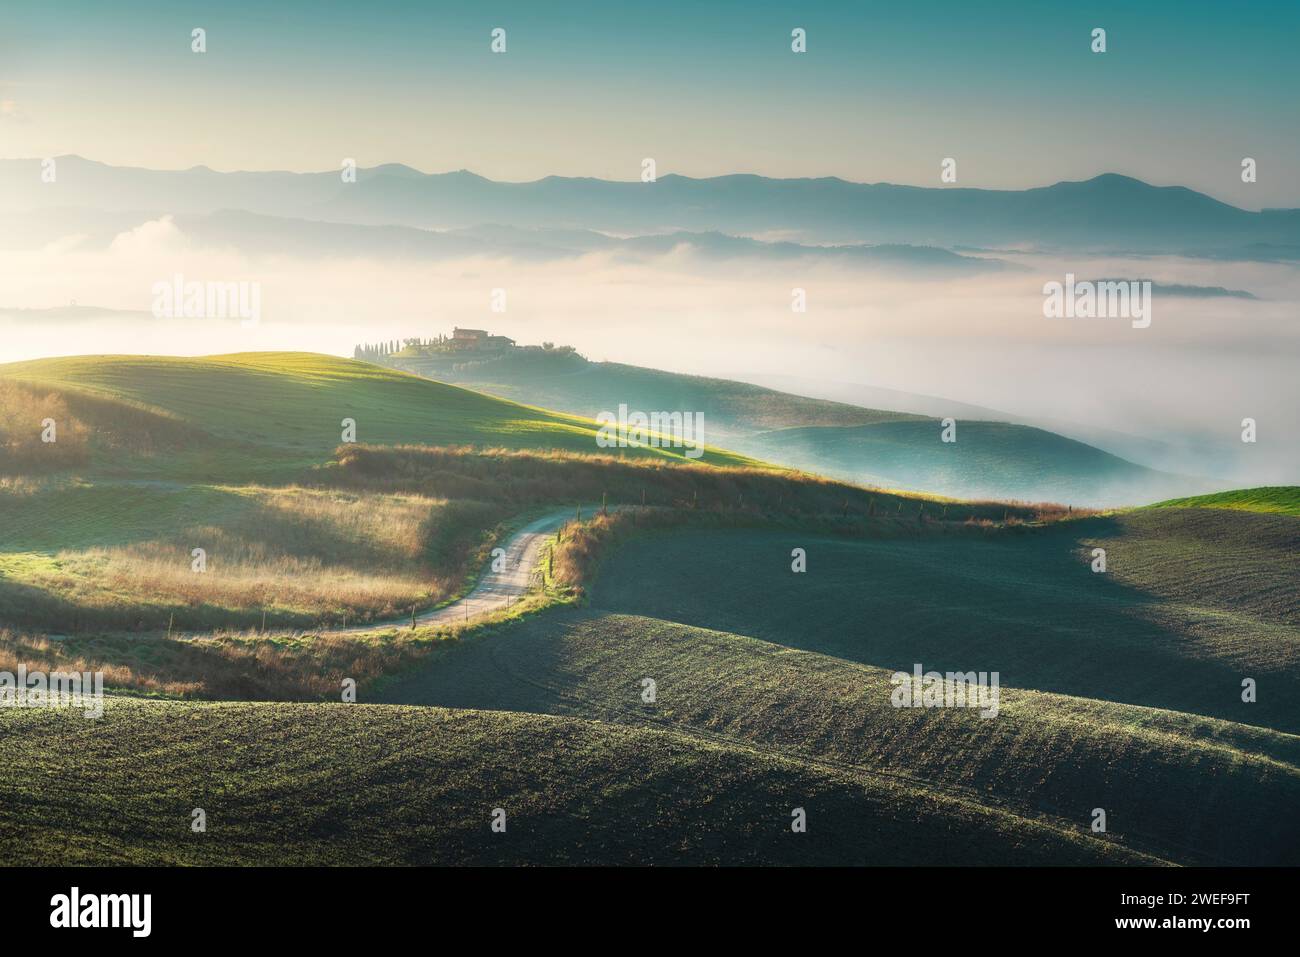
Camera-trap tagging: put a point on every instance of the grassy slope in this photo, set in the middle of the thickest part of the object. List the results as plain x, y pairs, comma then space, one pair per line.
285, 409
171, 440
117, 555
1192, 602
1150, 656
585, 388
1273, 498
1183, 788
525, 476
356, 784
990, 459
111, 550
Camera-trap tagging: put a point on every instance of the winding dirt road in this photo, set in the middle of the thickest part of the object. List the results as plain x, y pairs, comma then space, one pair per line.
496, 589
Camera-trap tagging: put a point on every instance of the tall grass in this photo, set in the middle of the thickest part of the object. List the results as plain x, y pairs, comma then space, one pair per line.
530, 477
296, 557
234, 666
379, 531
24, 412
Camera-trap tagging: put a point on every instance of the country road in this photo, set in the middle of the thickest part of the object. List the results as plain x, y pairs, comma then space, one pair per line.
495, 590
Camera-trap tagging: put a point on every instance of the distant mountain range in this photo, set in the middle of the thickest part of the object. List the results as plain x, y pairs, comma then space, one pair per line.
1186, 291
259, 234
1109, 212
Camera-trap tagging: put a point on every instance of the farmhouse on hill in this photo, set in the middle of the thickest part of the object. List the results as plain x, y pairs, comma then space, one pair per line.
463, 345
478, 340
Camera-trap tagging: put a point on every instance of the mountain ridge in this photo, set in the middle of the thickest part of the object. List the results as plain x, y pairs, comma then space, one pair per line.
1107, 211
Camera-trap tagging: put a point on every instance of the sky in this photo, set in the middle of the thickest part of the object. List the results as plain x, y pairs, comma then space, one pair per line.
885, 91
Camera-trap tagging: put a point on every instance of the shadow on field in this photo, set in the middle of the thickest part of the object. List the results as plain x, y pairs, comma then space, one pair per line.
1026, 604
1185, 789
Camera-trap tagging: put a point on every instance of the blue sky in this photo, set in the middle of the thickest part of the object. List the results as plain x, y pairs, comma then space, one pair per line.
884, 93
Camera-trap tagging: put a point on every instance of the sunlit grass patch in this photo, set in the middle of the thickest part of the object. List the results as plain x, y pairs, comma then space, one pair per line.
256, 414
123, 556
1283, 499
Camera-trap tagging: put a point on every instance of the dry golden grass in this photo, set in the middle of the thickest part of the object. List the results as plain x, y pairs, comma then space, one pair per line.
43, 654
533, 477
23, 414
380, 531
245, 666
302, 551
305, 666
302, 557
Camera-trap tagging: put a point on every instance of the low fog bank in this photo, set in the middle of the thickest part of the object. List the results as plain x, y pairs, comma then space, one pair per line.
1171, 396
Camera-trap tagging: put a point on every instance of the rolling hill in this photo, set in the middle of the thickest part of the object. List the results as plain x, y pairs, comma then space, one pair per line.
235, 456
239, 457
1045, 758
364, 784
1120, 691
250, 414
988, 460
1284, 499
1191, 602
872, 446
564, 380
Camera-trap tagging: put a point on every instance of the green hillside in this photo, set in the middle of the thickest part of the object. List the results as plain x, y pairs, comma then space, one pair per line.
242, 414
357, 784
116, 555
1046, 758
1272, 498
870, 446
155, 457
567, 381
1120, 690
1192, 601
987, 460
